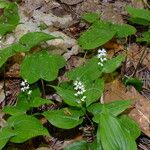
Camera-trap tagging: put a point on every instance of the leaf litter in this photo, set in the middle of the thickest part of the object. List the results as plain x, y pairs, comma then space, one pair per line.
36, 12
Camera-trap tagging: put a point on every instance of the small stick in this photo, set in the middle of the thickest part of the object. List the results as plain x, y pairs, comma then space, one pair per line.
43, 89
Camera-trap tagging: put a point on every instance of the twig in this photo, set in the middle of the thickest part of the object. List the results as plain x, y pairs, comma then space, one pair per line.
140, 60
146, 3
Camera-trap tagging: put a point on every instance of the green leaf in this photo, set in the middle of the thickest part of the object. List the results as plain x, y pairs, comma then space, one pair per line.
25, 127
32, 39
67, 96
12, 110
10, 17
115, 108
37, 102
138, 84
5, 54
139, 13
64, 118
112, 64
111, 134
91, 17
32, 67
5, 28
96, 36
86, 72
5, 135
123, 30
94, 91
145, 37
139, 21
78, 145
131, 126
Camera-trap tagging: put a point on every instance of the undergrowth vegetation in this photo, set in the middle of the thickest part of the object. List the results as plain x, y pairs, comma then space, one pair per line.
81, 94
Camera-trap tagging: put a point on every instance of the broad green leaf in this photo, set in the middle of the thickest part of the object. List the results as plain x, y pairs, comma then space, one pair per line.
96, 36
37, 102
64, 118
139, 21
94, 91
67, 96
32, 67
145, 37
139, 13
32, 39
91, 17
138, 84
78, 145
12, 110
131, 126
5, 135
123, 30
115, 108
10, 51
10, 17
5, 54
5, 28
25, 127
111, 134
86, 72
112, 64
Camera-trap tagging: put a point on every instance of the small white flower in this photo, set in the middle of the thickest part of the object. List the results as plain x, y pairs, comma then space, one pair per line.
101, 56
25, 87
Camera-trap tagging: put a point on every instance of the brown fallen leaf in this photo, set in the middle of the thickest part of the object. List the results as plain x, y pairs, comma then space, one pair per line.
141, 111
71, 2
115, 90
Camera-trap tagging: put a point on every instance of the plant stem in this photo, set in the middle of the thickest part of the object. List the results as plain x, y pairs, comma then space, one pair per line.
140, 60
43, 89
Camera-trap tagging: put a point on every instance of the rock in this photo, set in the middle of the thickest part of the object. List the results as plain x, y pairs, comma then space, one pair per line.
71, 2
50, 19
65, 43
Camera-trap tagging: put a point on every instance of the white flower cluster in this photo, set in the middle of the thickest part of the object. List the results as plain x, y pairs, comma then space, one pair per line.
25, 87
80, 90
101, 56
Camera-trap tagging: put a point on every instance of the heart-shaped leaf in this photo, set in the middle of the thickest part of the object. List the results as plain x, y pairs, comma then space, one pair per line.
68, 96
96, 36
90, 17
32, 39
64, 118
94, 91
112, 64
86, 72
25, 127
5, 135
41, 65
115, 108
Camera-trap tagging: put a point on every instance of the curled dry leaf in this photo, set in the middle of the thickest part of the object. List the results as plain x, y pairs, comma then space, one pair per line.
71, 2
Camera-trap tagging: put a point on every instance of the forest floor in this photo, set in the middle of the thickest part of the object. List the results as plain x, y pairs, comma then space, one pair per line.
63, 18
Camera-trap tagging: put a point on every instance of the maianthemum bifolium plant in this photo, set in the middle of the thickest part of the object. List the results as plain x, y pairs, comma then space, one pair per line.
80, 94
